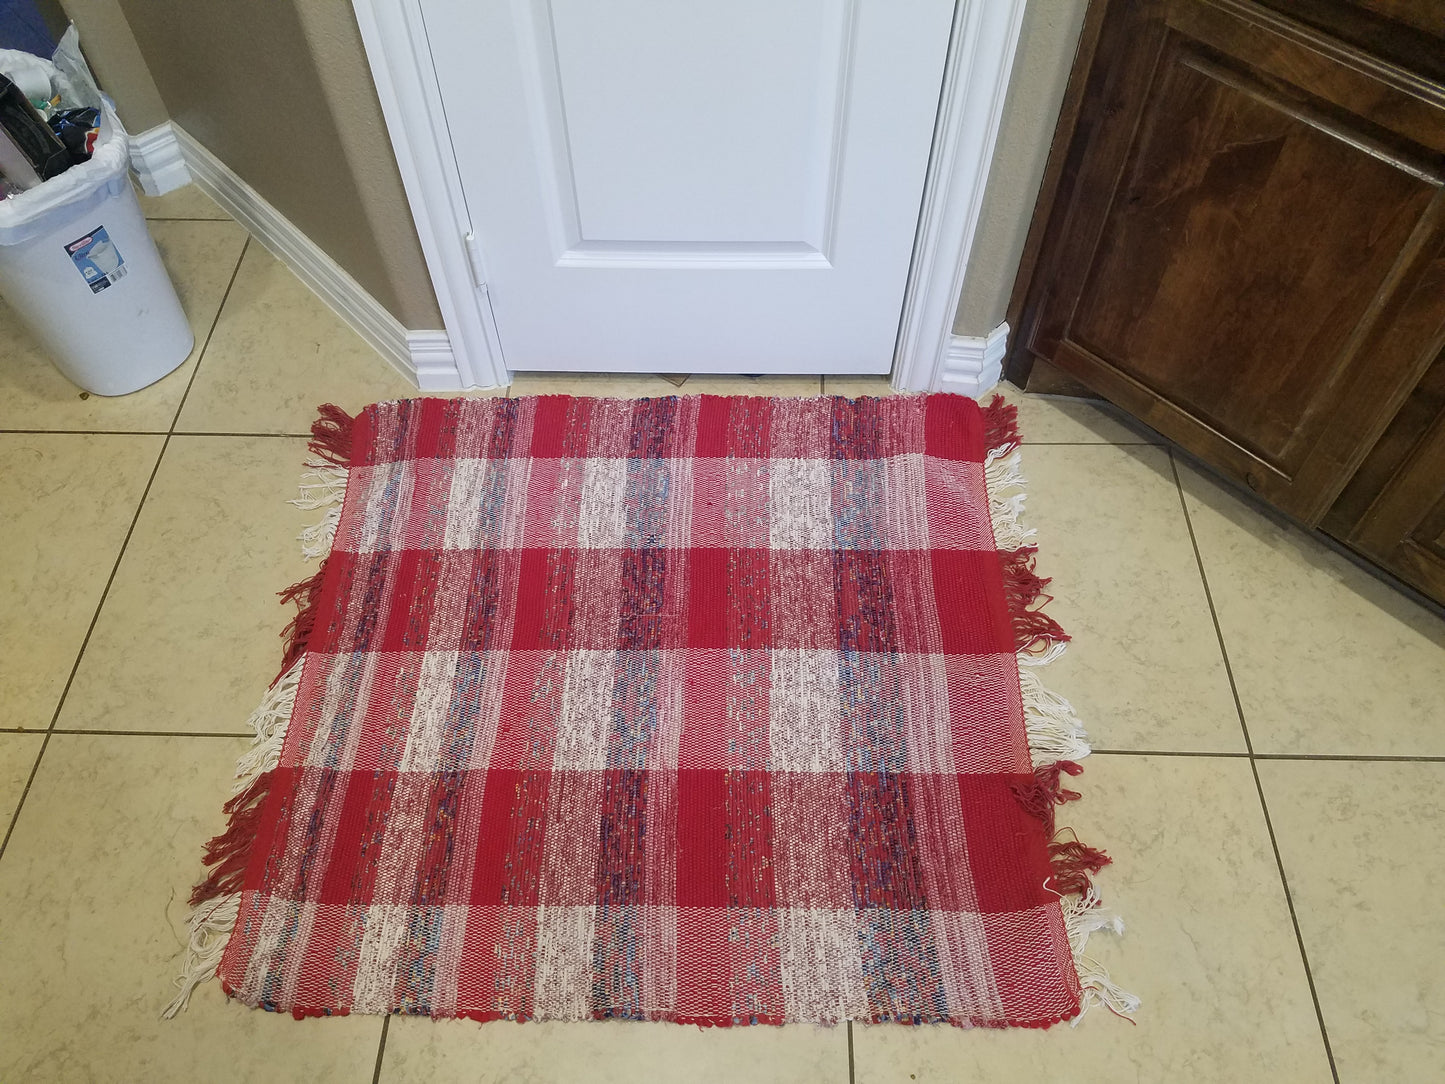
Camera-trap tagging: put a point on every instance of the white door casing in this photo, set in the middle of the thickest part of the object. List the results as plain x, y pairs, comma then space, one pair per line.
732, 224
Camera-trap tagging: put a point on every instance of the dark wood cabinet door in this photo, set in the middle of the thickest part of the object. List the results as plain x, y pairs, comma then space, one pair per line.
1247, 248
1404, 529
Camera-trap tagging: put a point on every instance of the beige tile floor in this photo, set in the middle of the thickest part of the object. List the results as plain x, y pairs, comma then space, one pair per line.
1268, 720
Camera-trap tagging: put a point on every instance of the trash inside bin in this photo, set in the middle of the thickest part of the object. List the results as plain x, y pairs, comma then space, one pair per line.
78, 266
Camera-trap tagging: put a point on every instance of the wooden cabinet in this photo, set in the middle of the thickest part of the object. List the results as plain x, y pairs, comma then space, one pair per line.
1241, 240
1393, 510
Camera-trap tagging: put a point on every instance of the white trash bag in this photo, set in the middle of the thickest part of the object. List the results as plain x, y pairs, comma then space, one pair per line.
79, 268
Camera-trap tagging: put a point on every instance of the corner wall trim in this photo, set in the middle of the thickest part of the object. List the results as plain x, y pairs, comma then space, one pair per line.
423, 357
973, 364
394, 34
435, 361
157, 162
975, 87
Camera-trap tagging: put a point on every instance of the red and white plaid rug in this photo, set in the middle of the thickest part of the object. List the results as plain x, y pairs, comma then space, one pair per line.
712, 710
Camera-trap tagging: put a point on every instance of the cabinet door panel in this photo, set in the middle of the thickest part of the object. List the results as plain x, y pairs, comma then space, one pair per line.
1254, 238
1405, 528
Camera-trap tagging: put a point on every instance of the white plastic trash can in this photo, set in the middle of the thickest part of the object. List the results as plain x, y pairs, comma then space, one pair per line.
78, 266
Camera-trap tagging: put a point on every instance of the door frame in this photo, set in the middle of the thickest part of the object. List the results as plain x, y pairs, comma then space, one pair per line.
981, 48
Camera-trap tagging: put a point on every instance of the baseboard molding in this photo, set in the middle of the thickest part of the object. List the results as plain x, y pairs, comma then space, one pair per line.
424, 357
434, 360
973, 364
157, 161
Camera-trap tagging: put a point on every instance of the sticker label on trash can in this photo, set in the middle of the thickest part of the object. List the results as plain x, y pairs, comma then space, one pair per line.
97, 259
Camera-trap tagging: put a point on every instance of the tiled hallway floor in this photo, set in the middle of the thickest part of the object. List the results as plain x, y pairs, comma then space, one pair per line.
1269, 724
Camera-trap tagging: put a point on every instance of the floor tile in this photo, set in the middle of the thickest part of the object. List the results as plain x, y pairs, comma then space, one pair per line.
33, 395
67, 503
611, 1052
277, 354
1359, 843
1327, 658
640, 385
186, 202
1057, 420
17, 757
197, 592
1144, 669
92, 921
1208, 948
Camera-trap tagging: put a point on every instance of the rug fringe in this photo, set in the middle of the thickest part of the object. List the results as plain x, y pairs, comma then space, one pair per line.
1000, 426
324, 487
216, 901
1083, 915
1054, 730
1004, 480
297, 634
331, 435
1034, 631
210, 928
1056, 738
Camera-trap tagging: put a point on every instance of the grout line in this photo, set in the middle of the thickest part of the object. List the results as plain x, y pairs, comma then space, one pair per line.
25, 793
1092, 444
1254, 770
201, 357
282, 436
89, 432
851, 1077
1362, 758
381, 1049
1163, 753
91, 732
140, 433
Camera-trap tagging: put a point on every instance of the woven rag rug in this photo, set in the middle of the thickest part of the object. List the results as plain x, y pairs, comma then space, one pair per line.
717, 710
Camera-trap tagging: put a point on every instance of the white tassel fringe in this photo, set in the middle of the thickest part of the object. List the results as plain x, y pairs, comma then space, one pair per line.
1001, 474
210, 928
1082, 916
322, 486
1054, 734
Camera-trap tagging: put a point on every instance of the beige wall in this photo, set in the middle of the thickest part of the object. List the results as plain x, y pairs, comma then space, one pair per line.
111, 51
280, 91
1047, 42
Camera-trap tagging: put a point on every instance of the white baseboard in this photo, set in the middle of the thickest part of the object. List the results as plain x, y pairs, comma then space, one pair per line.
157, 162
435, 361
973, 364
424, 357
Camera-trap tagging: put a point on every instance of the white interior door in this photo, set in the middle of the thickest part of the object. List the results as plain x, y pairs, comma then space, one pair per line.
688, 185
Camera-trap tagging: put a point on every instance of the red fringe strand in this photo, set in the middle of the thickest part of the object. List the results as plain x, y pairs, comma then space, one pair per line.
230, 852
331, 435
1034, 630
1071, 862
306, 595
1000, 425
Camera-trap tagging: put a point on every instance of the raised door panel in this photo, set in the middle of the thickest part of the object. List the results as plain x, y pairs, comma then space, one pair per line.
1253, 242
1405, 527
665, 153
